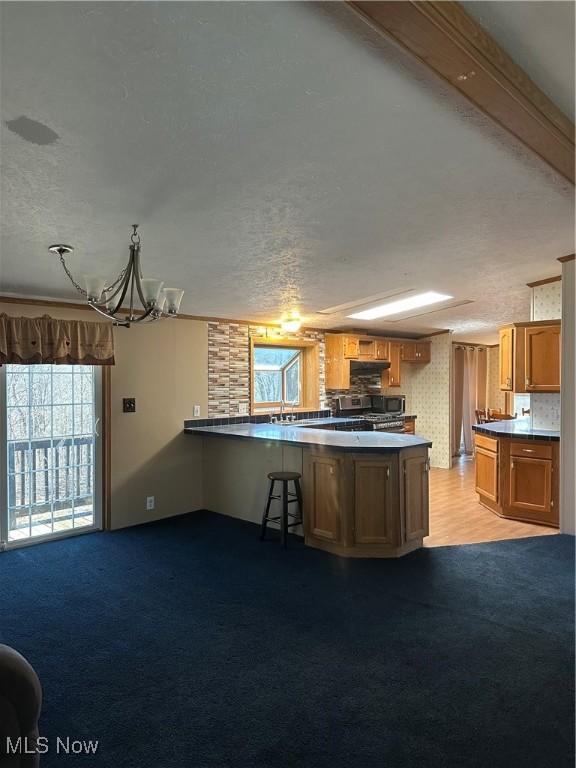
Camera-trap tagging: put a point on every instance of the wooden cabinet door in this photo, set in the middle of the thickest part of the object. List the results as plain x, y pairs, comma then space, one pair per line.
487, 473
351, 347
382, 350
506, 358
542, 358
409, 351
393, 373
323, 508
374, 518
423, 352
415, 497
531, 486
337, 367
366, 349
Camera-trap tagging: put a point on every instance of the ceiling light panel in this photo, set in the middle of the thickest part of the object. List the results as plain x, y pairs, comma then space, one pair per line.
401, 305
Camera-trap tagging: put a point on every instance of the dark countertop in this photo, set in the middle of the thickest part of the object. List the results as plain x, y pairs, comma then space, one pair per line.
520, 428
370, 442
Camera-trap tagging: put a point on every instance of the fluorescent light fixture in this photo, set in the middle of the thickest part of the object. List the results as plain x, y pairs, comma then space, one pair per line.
402, 305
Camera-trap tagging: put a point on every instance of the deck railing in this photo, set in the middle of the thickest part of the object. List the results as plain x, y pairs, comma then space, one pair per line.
48, 475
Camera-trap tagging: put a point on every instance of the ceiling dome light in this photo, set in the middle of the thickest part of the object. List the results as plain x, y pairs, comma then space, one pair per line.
291, 322
155, 300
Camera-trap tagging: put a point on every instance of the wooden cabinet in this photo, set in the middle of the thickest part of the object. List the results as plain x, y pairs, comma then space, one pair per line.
383, 349
391, 377
416, 351
530, 357
518, 479
323, 501
342, 348
531, 487
506, 358
487, 473
364, 504
415, 472
542, 358
374, 519
410, 426
351, 347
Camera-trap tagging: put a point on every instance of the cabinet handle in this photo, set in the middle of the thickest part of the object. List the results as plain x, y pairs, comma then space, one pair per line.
387, 471
512, 464
528, 382
392, 379
528, 450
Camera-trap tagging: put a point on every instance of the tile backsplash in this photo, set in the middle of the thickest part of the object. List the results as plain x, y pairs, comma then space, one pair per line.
545, 410
229, 366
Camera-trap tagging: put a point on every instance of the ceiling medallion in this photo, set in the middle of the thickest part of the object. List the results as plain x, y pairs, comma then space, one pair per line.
155, 300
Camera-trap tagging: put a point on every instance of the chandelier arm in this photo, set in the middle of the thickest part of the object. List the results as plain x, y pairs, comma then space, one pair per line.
117, 321
122, 289
116, 282
70, 277
138, 276
125, 274
144, 317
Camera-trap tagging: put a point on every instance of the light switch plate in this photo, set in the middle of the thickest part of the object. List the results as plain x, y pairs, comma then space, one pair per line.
150, 501
129, 404
196, 410
243, 409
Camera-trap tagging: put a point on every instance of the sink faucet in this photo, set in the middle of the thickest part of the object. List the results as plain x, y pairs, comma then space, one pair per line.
282, 411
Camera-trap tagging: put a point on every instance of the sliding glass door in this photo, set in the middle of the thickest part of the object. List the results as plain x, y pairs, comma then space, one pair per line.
50, 477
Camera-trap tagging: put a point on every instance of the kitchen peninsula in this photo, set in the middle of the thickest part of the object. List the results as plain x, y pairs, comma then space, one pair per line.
365, 493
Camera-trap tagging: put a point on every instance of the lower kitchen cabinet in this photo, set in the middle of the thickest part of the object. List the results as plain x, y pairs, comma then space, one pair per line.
415, 476
518, 479
368, 505
324, 503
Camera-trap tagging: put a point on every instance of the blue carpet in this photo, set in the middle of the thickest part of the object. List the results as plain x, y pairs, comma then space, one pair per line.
189, 643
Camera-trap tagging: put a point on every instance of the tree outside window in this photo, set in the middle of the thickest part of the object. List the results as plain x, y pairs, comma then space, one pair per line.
277, 375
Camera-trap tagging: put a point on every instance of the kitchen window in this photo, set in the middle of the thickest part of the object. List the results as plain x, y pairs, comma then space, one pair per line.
277, 375
284, 371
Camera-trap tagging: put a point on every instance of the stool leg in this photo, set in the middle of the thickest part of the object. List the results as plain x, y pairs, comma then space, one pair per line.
266, 511
284, 512
298, 490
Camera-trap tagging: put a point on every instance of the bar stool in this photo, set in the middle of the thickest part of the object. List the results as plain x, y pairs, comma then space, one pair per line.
287, 497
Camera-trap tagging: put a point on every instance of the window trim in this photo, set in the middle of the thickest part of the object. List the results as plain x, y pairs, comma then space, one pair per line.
309, 373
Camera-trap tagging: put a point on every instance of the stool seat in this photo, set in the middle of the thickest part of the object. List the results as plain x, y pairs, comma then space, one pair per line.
284, 475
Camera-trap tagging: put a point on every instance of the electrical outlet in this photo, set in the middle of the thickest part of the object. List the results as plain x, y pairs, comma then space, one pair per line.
129, 404
196, 410
149, 503
243, 409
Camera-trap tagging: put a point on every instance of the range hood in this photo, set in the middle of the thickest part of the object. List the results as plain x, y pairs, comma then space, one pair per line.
368, 367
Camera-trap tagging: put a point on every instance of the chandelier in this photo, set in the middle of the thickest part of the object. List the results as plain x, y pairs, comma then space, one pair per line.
155, 300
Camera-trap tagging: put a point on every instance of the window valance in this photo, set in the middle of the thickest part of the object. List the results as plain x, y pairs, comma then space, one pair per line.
34, 340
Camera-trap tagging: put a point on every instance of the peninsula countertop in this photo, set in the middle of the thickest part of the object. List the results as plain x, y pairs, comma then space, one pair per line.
520, 428
367, 442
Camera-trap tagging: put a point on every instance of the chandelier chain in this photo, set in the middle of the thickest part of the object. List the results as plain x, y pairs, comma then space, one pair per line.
74, 283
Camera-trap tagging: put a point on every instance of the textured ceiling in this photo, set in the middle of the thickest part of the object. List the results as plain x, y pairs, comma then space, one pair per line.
273, 154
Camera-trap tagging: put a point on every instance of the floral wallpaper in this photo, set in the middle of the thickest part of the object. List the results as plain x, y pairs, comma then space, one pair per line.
495, 397
428, 396
546, 305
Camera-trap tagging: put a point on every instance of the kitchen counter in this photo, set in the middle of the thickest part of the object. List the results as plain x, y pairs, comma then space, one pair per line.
365, 493
519, 428
355, 442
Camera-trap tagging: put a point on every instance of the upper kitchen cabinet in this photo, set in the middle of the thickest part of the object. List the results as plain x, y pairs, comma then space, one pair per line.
337, 361
391, 377
416, 351
530, 357
351, 346
506, 358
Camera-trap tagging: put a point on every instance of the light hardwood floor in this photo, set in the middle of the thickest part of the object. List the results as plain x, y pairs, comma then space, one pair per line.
456, 517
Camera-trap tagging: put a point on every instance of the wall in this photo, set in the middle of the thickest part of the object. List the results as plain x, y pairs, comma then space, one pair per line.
495, 398
229, 365
164, 366
568, 417
546, 304
428, 395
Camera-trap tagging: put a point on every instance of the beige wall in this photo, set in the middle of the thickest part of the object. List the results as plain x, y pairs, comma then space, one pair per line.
164, 366
496, 399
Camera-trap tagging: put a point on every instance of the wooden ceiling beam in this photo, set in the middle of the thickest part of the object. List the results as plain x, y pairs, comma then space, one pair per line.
454, 46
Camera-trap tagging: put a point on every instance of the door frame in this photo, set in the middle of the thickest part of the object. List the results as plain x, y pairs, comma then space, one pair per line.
102, 386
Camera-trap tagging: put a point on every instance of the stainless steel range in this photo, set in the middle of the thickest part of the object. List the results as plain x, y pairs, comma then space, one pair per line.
360, 406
